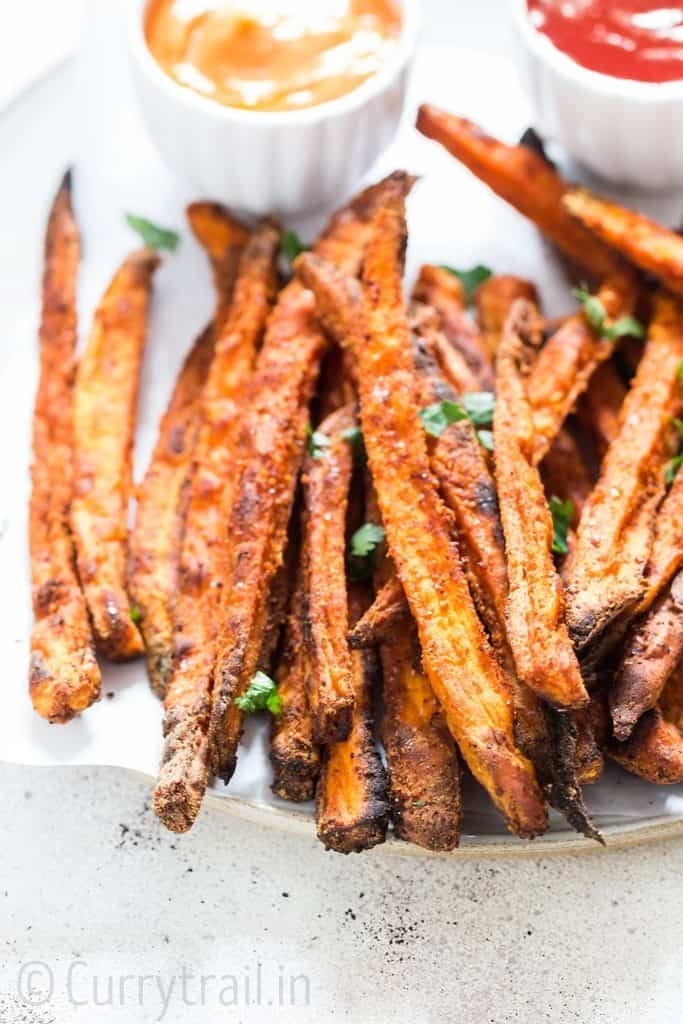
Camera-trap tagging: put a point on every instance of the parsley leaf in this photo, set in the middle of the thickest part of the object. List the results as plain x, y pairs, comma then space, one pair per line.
470, 279
435, 418
363, 550
562, 513
291, 245
152, 235
261, 695
479, 406
671, 469
679, 373
678, 424
596, 314
135, 614
317, 443
354, 437
485, 438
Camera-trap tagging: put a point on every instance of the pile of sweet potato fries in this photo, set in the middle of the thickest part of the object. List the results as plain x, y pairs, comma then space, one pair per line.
447, 524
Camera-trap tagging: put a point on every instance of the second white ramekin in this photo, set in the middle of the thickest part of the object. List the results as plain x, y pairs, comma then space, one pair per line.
285, 163
626, 132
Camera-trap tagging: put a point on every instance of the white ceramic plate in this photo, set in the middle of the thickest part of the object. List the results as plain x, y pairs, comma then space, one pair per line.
84, 115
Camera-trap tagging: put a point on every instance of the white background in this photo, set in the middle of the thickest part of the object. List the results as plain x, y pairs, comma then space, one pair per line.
87, 877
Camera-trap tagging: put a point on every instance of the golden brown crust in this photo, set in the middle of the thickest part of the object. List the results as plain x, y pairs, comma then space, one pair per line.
653, 752
351, 806
640, 240
105, 400
458, 660
387, 614
524, 179
223, 238
156, 538
326, 483
493, 300
431, 344
604, 576
599, 408
537, 632
64, 677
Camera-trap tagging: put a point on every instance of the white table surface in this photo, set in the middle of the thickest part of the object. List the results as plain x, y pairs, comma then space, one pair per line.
106, 917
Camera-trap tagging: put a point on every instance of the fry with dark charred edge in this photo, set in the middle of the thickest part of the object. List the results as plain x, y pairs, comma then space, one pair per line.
654, 750
271, 444
525, 180
223, 238
652, 651
604, 576
294, 755
156, 538
642, 241
563, 784
537, 632
326, 483
107, 379
203, 566
64, 678
456, 654
438, 288
570, 357
352, 810
493, 300
385, 616
599, 408
671, 700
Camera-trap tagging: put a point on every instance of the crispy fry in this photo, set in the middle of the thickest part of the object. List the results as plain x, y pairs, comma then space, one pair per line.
666, 555
387, 613
107, 379
599, 407
653, 752
568, 360
272, 443
326, 487
493, 300
525, 180
642, 241
565, 474
223, 238
351, 805
652, 651
443, 291
430, 341
605, 572
457, 657
537, 632
671, 700
294, 754
563, 784
64, 677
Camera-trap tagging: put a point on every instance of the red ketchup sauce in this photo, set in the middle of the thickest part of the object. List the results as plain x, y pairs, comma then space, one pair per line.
637, 39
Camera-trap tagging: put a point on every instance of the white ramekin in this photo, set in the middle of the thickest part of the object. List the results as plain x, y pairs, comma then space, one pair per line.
626, 132
260, 162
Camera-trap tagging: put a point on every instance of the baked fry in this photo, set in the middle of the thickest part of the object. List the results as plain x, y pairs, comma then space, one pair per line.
525, 180
428, 338
604, 576
666, 555
351, 804
652, 651
457, 657
271, 444
294, 755
223, 238
599, 407
537, 632
443, 292
64, 677
493, 300
646, 244
653, 752
387, 613
326, 483
107, 379
671, 700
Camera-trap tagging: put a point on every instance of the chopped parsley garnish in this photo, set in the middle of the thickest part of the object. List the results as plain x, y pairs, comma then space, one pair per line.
261, 695
135, 614
479, 406
152, 235
596, 314
671, 469
475, 406
435, 418
679, 373
485, 438
317, 442
363, 550
562, 513
470, 279
291, 245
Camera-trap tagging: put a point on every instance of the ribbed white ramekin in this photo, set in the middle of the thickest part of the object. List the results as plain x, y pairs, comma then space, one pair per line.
626, 132
260, 162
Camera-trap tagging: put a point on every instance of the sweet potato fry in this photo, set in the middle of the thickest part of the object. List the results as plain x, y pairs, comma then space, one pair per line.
443, 292
642, 241
666, 555
568, 360
604, 576
107, 379
525, 180
599, 408
294, 755
272, 443
671, 700
653, 752
326, 483
430, 341
457, 657
64, 677
223, 238
652, 651
155, 541
385, 616
493, 300
537, 632
352, 810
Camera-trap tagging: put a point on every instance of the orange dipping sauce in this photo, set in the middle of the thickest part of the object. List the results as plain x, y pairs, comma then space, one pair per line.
637, 39
272, 54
